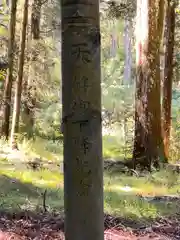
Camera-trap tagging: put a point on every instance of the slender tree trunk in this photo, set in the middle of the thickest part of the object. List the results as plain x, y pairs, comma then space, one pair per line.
30, 103
35, 19
113, 47
9, 79
3, 74
82, 129
18, 92
168, 73
148, 144
128, 54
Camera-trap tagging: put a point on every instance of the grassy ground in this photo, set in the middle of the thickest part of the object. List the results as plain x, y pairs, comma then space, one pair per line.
126, 196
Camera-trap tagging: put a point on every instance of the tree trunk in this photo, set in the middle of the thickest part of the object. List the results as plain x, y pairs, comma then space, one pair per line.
30, 103
139, 152
18, 92
128, 53
6, 108
35, 19
148, 144
3, 73
155, 141
168, 73
82, 129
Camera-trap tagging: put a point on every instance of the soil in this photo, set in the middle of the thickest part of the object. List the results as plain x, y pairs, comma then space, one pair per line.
46, 226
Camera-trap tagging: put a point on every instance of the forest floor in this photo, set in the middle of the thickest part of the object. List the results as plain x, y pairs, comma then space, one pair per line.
143, 206
45, 226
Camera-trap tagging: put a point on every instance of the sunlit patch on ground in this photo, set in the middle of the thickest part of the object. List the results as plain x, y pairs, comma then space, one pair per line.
129, 197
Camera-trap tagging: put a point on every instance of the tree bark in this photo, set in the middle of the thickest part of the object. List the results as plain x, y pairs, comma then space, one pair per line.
6, 108
148, 143
82, 129
155, 140
30, 102
18, 92
168, 73
35, 19
3, 73
139, 152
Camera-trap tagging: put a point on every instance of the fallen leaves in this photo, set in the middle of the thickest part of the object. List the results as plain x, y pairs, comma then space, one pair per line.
50, 226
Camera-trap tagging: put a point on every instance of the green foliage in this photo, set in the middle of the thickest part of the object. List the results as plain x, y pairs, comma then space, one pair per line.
175, 129
2, 77
3, 32
121, 8
4, 19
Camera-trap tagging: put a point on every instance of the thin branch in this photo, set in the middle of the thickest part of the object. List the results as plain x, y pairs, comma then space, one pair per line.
44, 200
3, 25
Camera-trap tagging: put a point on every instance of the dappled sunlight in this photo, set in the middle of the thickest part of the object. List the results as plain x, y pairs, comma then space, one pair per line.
42, 149
114, 149
24, 193
141, 190
126, 195
25, 190
131, 206
38, 178
125, 189
154, 185
129, 197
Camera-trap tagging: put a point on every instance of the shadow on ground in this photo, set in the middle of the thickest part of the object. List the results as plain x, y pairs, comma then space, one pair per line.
22, 215
116, 166
17, 195
140, 210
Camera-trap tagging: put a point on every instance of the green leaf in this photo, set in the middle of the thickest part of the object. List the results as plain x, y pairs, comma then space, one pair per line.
3, 31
